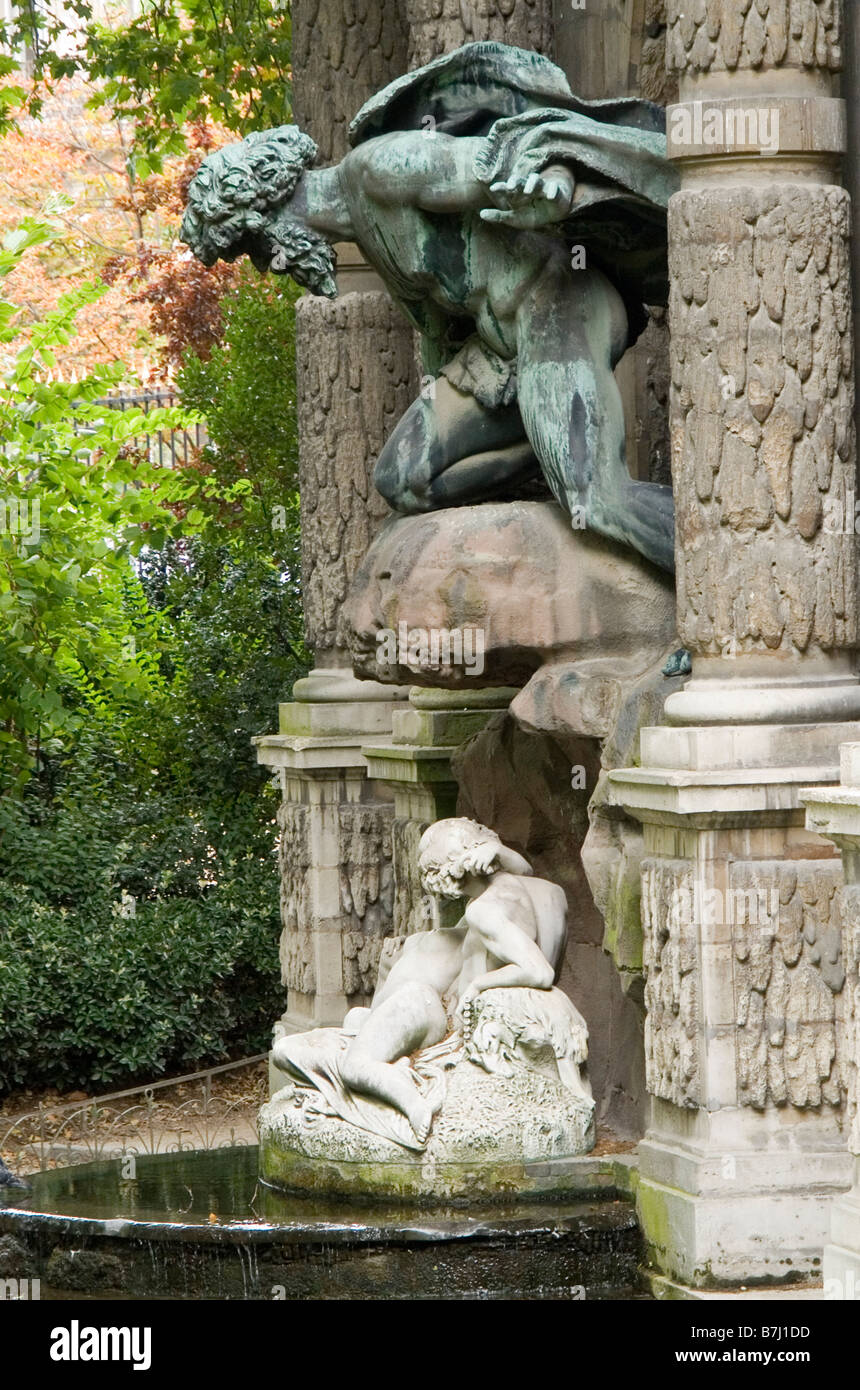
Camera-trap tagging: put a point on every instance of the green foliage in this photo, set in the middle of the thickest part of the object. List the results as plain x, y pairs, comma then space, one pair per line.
76, 502
148, 794
234, 592
12, 96
160, 806
139, 930
225, 60
151, 621
246, 388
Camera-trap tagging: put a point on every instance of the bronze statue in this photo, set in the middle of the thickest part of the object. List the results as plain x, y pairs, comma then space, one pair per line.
522, 231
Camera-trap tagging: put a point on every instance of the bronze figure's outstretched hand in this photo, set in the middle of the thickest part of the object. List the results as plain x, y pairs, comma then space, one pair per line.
536, 200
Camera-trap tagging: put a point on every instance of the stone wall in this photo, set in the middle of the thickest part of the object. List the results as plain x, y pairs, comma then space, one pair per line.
520, 783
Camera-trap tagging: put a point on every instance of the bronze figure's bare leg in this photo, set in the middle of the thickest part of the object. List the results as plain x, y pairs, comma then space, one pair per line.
572, 330
448, 450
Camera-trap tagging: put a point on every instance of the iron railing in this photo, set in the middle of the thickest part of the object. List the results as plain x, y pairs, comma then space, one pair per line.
135, 1121
166, 448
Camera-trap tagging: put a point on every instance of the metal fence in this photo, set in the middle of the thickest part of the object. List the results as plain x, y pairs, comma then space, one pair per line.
166, 448
137, 1121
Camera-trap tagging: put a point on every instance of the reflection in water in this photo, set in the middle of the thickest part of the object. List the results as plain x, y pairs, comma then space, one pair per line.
222, 1186
188, 1188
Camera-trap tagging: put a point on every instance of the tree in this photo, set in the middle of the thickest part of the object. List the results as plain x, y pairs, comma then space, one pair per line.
226, 61
141, 786
138, 893
113, 226
77, 503
182, 297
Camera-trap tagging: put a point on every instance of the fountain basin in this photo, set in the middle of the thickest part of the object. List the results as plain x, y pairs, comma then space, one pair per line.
203, 1225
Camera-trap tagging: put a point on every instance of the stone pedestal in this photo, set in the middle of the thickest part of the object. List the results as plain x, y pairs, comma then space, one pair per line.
835, 812
585, 627
743, 962
745, 997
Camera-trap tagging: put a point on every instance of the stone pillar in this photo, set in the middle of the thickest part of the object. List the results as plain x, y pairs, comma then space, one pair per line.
439, 26
354, 355
355, 377
852, 159
762, 366
745, 975
356, 374
836, 814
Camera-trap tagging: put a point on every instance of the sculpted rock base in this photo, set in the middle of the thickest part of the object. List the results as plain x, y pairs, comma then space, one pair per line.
511, 1104
495, 1135
553, 606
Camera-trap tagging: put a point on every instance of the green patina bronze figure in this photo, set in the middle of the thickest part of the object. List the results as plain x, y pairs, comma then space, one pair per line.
521, 230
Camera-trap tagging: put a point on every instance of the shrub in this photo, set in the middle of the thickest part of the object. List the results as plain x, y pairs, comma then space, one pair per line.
137, 938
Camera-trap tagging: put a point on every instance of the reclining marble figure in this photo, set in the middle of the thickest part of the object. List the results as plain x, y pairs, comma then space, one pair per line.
426, 1007
521, 230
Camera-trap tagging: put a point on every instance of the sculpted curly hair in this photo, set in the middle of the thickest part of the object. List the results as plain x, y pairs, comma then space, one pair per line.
233, 196
450, 849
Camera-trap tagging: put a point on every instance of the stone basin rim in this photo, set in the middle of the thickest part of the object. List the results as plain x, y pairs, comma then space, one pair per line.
32, 1223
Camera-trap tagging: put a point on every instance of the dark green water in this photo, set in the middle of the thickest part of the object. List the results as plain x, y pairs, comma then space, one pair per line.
189, 1188
221, 1187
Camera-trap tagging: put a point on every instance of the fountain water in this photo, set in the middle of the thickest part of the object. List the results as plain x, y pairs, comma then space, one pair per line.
203, 1225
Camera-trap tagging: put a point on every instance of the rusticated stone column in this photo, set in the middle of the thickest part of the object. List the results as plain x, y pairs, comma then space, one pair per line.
355, 374
744, 953
343, 52
355, 357
439, 26
355, 377
762, 365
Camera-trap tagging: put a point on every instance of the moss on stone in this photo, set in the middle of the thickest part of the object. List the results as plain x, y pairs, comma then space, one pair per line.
583, 1177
